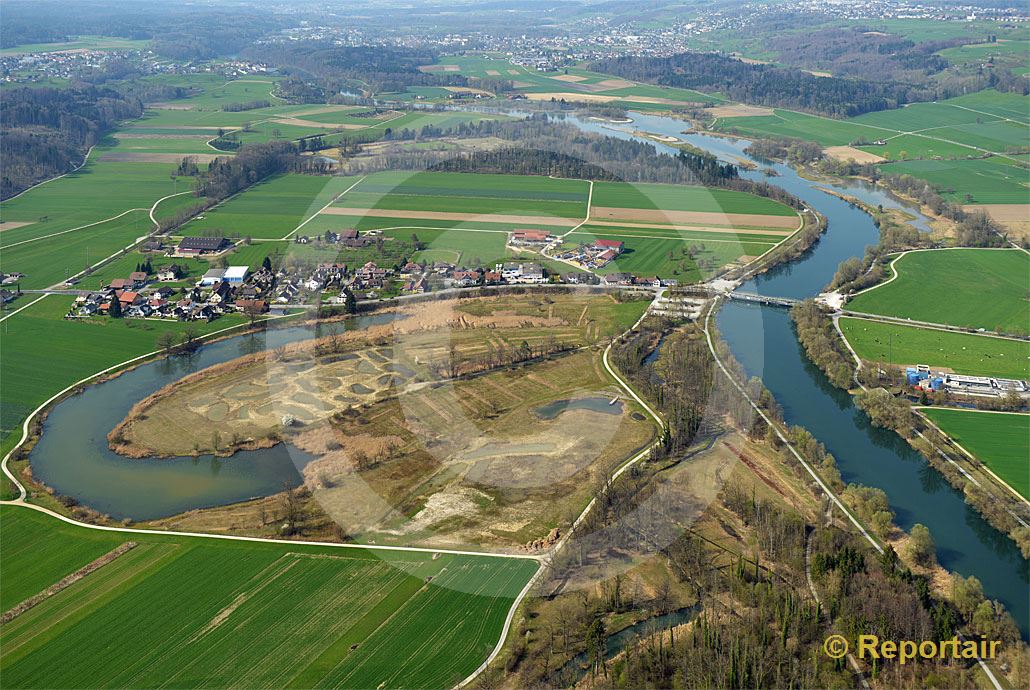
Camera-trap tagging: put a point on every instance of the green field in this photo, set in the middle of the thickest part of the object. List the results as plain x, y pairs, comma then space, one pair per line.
270, 209
219, 613
794, 125
993, 180
926, 136
78, 43
999, 440
671, 197
986, 288
43, 353
651, 252
470, 193
964, 353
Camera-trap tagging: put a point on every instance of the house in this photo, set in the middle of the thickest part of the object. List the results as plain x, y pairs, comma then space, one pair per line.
252, 306
417, 285
348, 234
128, 297
533, 273
235, 274
196, 246
168, 274
121, 284
152, 246
617, 279
138, 278
579, 278
465, 278
492, 278
213, 276
511, 272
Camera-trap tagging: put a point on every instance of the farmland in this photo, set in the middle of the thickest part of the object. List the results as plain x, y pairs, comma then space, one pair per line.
255, 614
963, 353
987, 289
996, 439
570, 84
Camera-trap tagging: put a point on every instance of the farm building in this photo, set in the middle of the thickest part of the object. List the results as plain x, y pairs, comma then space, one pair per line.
605, 245
531, 237
213, 276
202, 245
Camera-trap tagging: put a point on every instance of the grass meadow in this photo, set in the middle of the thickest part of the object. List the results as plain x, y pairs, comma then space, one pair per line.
986, 288
224, 613
964, 353
996, 439
684, 198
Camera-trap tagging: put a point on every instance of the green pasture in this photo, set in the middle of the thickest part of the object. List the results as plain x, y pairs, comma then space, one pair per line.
53, 260
999, 440
986, 288
917, 146
668, 257
220, 613
964, 353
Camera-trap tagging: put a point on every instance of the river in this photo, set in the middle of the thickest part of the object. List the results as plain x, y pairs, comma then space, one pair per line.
762, 338
73, 458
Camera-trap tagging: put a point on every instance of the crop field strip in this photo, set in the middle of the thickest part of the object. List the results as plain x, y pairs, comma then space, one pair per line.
987, 289
252, 614
996, 439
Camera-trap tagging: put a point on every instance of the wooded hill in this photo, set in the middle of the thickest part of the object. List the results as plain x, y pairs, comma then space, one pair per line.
46, 132
766, 84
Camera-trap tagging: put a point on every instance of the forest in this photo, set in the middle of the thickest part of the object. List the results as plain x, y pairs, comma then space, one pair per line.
46, 132
766, 85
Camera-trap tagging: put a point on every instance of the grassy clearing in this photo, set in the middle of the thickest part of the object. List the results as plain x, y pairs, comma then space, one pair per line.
987, 288
219, 613
997, 440
683, 198
43, 353
963, 353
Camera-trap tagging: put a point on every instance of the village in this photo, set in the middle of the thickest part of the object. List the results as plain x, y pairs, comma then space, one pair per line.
165, 291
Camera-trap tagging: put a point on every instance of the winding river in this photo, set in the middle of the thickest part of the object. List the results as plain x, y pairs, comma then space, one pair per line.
72, 455
762, 338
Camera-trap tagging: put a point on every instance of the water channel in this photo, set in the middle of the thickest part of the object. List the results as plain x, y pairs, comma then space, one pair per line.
73, 458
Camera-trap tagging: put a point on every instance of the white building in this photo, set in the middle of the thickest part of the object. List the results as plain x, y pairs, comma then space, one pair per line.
236, 274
